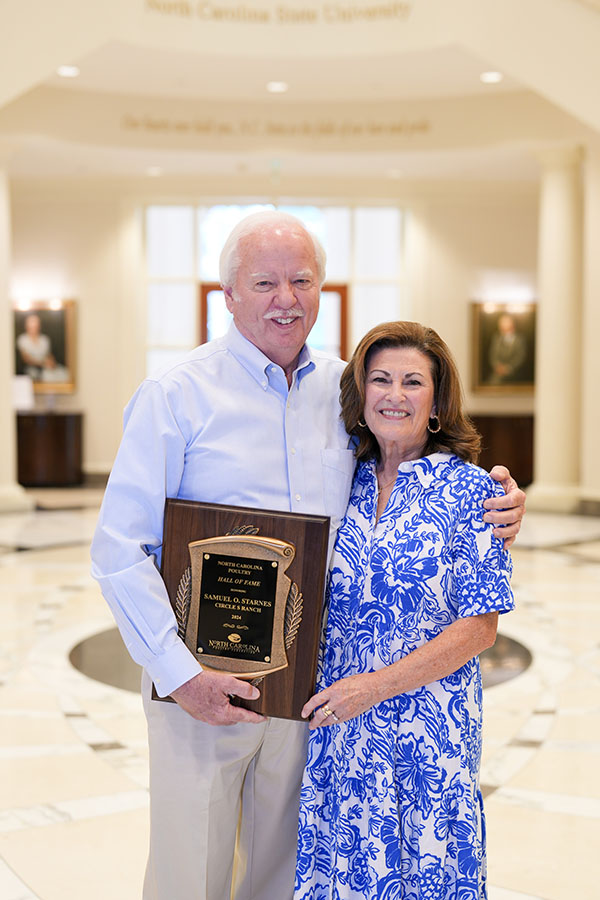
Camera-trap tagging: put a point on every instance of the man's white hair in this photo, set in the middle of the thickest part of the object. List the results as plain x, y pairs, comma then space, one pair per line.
255, 223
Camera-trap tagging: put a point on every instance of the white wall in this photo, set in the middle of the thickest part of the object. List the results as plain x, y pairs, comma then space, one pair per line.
467, 246
71, 243
82, 239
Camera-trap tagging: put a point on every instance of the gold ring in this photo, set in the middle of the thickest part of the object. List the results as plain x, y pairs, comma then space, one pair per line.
326, 711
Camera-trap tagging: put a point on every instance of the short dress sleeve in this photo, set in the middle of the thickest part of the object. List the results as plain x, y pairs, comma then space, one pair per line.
481, 568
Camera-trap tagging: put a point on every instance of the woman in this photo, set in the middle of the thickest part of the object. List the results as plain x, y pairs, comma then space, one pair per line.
391, 807
35, 348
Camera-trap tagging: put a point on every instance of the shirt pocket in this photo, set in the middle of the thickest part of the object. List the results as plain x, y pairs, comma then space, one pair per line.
337, 471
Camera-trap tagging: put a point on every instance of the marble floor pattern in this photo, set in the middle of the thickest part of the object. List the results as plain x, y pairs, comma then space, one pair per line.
73, 761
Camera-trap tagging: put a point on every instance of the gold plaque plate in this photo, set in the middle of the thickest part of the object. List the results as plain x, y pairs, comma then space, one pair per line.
238, 612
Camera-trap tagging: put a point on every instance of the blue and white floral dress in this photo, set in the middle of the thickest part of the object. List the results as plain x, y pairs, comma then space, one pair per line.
391, 807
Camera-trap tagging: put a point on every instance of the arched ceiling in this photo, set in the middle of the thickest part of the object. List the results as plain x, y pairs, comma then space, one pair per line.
380, 87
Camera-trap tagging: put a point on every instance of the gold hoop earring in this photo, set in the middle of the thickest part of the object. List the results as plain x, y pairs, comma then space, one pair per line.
434, 430
361, 424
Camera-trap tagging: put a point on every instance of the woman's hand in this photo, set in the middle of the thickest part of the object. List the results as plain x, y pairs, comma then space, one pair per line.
344, 699
437, 658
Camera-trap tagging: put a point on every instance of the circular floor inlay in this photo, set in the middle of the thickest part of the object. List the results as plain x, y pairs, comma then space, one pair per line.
104, 658
505, 660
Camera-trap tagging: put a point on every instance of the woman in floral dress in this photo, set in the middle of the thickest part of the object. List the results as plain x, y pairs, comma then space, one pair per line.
391, 807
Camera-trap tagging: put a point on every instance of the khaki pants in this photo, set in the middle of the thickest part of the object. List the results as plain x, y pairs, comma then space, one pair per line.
207, 780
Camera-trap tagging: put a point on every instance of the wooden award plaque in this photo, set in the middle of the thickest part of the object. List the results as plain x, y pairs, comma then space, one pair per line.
247, 586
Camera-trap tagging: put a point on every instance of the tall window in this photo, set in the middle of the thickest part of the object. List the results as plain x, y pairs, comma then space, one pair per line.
183, 243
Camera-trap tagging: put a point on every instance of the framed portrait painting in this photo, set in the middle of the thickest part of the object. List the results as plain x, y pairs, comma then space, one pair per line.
44, 341
503, 342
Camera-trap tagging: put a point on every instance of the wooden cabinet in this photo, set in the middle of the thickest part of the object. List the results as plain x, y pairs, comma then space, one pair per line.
49, 449
507, 440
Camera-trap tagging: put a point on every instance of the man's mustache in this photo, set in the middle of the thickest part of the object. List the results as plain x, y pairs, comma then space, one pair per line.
284, 314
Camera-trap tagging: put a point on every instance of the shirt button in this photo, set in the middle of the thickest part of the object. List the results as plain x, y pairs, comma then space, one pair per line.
293, 451
264, 384
298, 497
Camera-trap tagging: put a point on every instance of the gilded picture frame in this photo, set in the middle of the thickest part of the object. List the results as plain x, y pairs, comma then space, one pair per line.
45, 344
503, 347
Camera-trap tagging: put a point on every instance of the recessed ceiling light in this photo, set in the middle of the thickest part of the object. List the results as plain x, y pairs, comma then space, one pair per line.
491, 77
154, 171
67, 71
277, 87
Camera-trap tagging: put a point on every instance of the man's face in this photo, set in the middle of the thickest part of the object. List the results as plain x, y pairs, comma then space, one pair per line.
506, 325
275, 299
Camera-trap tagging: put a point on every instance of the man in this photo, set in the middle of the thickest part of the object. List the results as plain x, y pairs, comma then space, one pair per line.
250, 419
507, 353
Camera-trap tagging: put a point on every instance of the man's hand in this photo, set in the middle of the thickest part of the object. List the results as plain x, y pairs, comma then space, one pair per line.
206, 697
505, 511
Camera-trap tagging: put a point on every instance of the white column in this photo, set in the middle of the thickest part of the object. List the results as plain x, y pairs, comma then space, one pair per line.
590, 380
12, 496
558, 348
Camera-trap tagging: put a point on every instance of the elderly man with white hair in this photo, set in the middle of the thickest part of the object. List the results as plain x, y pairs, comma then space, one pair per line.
250, 419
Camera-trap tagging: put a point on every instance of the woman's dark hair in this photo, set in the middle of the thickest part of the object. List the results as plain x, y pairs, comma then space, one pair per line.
457, 433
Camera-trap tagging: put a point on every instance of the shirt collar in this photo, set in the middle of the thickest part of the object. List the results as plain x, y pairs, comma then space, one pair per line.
256, 363
428, 469
434, 467
306, 362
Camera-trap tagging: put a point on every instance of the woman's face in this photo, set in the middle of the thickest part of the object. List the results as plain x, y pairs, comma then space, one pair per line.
399, 400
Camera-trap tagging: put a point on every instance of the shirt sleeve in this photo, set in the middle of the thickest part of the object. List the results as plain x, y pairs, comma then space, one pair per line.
128, 539
481, 568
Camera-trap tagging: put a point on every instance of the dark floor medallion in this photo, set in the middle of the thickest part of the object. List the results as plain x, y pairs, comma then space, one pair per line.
505, 660
104, 658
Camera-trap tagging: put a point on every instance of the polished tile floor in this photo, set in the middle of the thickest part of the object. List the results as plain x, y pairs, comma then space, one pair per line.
73, 763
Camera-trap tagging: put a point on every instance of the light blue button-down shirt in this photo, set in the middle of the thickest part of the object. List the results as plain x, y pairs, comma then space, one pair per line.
221, 426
